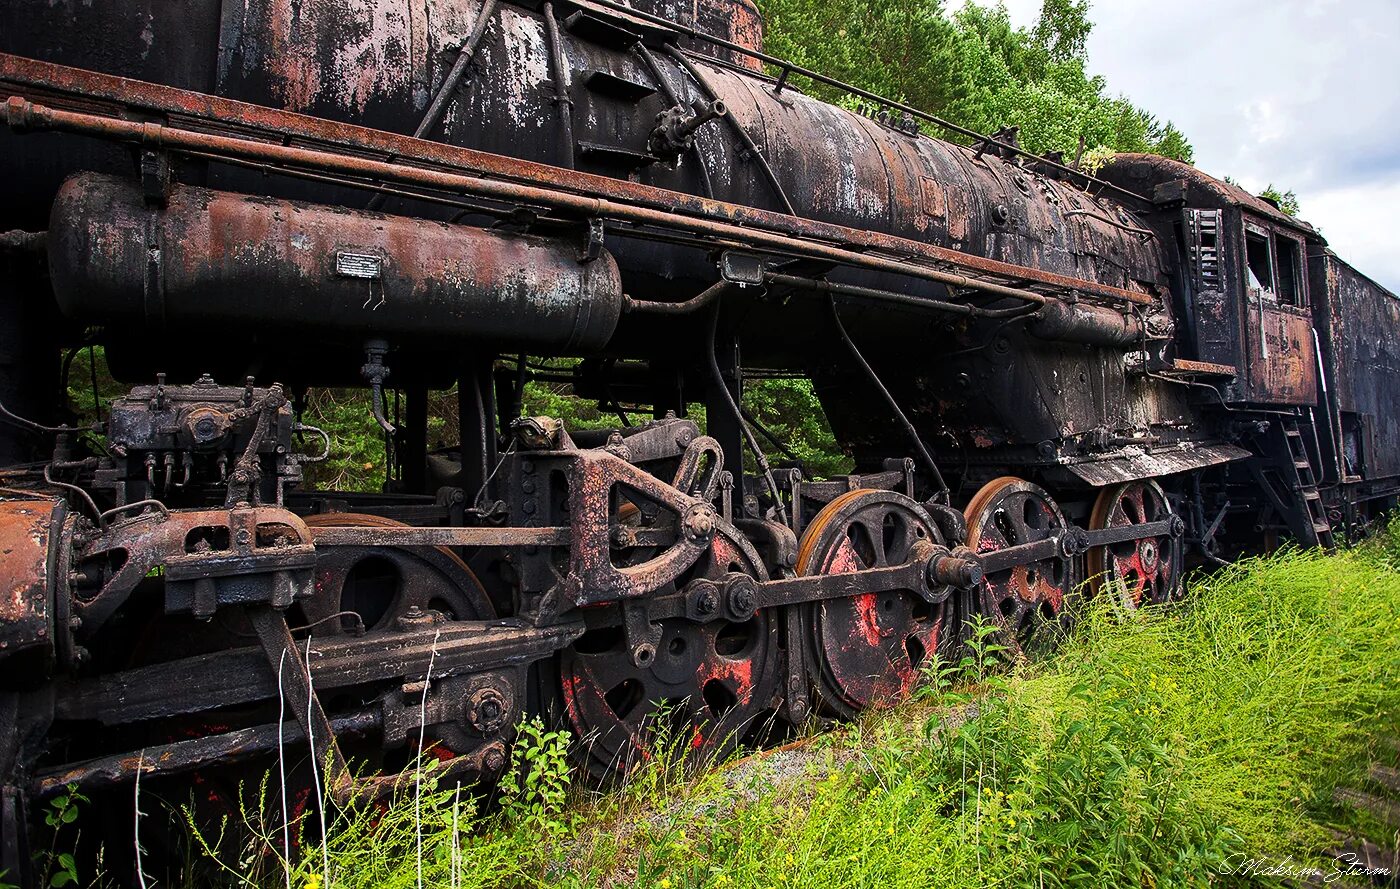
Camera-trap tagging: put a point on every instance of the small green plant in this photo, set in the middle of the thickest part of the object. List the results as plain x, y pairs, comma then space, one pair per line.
938, 682
983, 650
534, 789
58, 869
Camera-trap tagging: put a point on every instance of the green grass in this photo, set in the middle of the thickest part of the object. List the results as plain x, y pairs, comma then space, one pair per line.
1156, 749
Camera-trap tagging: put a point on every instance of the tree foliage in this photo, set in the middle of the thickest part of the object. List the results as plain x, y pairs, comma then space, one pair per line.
789, 409
972, 68
1287, 201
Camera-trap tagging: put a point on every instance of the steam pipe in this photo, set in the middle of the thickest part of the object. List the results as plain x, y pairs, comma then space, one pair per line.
20, 113
936, 305
433, 115
561, 90
685, 307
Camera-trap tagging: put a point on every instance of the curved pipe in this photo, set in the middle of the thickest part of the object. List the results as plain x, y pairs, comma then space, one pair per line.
684, 307
743, 134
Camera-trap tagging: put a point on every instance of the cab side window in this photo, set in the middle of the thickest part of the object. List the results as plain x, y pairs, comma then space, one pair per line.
1288, 257
1259, 263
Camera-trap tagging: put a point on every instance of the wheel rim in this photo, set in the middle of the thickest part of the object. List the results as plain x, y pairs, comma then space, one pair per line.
709, 687
1148, 570
1028, 603
382, 583
868, 650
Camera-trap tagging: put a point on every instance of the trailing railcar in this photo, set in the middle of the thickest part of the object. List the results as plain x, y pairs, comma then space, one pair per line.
1356, 319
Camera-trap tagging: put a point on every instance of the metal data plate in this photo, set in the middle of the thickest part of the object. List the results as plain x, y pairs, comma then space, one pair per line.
359, 265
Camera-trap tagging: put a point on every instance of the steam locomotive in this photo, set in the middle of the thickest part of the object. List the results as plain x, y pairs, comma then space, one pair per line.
1044, 377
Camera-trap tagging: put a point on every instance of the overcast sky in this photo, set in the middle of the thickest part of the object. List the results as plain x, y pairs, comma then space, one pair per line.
1304, 94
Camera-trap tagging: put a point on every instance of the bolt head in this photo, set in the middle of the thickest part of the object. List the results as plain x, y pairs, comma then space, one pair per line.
494, 760
486, 710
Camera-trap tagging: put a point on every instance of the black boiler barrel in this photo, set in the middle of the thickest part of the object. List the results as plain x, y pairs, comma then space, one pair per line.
211, 260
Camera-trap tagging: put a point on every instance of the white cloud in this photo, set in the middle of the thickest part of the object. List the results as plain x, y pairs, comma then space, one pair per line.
1298, 93
1358, 223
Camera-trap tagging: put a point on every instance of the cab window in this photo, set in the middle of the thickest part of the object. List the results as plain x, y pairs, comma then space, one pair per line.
1259, 262
1287, 255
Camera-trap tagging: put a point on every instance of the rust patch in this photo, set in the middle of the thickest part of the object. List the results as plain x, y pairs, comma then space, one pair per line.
26, 527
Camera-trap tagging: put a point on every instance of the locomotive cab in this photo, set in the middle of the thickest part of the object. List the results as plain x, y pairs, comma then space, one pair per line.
1243, 286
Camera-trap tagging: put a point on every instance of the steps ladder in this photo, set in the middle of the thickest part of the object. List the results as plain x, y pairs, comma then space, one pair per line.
1311, 527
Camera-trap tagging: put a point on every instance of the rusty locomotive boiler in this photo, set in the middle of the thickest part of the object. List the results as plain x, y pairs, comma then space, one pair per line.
1044, 377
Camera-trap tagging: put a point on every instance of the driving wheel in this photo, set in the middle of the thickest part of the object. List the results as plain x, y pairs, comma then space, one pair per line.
1146, 571
867, 649
374, 586
1027, 602
708, 687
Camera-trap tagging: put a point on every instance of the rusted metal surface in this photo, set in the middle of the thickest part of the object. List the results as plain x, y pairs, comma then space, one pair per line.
1186, 365
1285, 367
869, 647
248, 262
241, 675
1362, 367
572, 192
28, 533
1087, 324
1040, 335
179, 757
333, 535
1147, 172
255, 553
1133, 462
